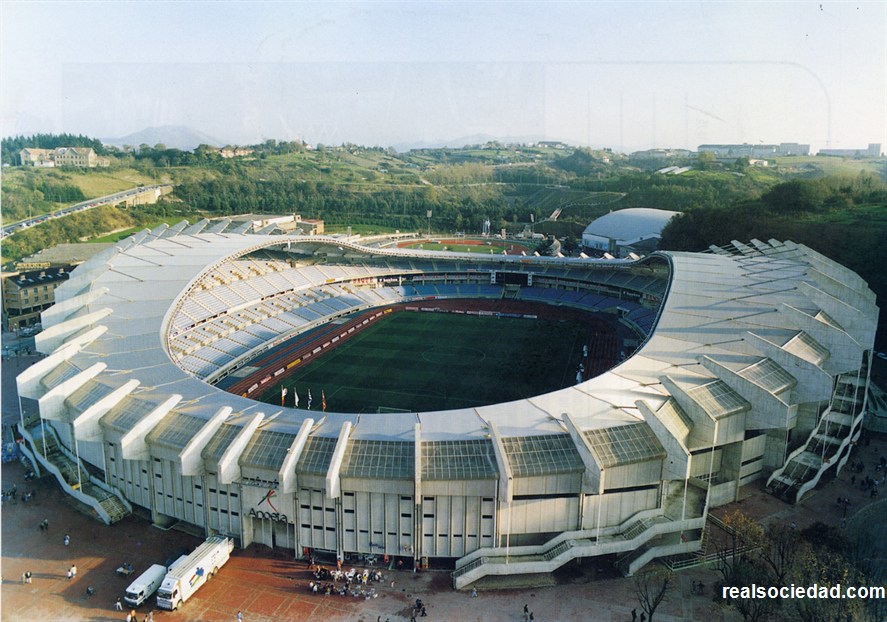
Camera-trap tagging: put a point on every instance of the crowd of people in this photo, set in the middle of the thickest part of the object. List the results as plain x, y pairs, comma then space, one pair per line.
338, 582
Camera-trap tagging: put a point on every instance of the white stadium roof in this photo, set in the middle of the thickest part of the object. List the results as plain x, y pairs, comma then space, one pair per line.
723, 314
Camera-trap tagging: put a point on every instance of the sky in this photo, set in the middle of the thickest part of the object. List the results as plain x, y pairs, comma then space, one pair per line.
624, 75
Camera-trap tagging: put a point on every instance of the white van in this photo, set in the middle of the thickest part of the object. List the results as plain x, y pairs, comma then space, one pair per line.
142, 588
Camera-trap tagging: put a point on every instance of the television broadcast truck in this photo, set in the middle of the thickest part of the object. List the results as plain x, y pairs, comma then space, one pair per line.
144, 587
187, 576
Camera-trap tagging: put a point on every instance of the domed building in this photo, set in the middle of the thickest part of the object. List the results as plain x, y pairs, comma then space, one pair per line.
633, 230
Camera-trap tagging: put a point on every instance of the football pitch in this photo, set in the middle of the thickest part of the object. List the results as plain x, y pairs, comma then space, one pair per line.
420, 361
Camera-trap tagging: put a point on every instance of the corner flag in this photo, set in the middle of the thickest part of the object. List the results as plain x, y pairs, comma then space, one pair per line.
282, 395
323, 399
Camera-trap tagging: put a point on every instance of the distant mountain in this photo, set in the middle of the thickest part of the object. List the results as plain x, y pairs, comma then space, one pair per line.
173, 136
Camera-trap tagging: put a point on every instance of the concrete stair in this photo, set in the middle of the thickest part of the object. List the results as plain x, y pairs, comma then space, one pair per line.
826, 445
71, 479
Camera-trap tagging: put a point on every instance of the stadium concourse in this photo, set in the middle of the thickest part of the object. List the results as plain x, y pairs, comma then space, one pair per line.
744, 363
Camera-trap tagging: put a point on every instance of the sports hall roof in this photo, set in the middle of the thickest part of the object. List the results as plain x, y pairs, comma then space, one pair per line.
630, 224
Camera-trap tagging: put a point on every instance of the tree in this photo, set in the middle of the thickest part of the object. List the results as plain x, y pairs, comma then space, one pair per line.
705, 160
797, 196
744, 534
752, 609
651, 586
780, 551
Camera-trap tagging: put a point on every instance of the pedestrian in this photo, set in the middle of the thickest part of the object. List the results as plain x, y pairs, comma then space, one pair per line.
474, 592
129, 617
634, 612
526, 612
24, 578
151, 616
46, 524
423, 614
28, 576
532, 617
70, 576
73, 571
67, 539
239, 616
118, 605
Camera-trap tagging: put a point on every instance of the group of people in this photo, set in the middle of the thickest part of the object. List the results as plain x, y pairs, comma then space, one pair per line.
12, 494
418, 610
352, 582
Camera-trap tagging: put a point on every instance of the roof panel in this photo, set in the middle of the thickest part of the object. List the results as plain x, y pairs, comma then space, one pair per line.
128, 412
220, 441
267, 449
65, 371
379, 459
317, 455
769, 376
542, 455
455, 460
622, 445
176, 430
718, 399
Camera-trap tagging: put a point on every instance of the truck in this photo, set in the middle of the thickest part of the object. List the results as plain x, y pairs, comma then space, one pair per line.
186, 576
144, 587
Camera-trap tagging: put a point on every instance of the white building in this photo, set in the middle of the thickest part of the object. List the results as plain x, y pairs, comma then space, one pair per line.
631, 230
742, 359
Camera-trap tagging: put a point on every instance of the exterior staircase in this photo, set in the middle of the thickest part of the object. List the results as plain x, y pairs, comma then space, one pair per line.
108, 504
828, 444
642, 538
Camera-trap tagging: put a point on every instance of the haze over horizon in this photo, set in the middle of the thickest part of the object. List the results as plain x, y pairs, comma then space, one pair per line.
623, 75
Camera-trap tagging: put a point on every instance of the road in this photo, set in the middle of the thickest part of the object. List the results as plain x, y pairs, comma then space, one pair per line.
77, 207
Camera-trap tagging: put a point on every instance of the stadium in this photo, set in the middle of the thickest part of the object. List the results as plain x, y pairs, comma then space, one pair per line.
744, 363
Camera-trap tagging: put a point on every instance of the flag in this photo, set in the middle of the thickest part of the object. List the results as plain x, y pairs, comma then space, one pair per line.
323, 399
282, 395
295, 398
309, 399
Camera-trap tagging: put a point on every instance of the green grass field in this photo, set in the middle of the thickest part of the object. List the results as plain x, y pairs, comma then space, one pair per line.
436, 361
